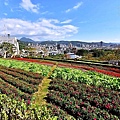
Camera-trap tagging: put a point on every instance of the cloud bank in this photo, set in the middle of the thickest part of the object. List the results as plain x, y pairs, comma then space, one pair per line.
42, 29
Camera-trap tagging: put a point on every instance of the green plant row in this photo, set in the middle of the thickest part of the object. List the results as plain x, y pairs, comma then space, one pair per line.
89, 77
28, 66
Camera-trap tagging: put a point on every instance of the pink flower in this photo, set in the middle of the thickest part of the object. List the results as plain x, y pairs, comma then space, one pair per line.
28, 102
108, 106
77, 106
79, 113
82, 103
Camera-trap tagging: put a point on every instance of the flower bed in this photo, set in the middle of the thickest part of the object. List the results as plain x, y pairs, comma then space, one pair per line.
22, 72
18, 83
113, 69
107, 72
87, 77
11, 109
23, 86
20, 76
86, 102
83, 95
110, 71
12, 91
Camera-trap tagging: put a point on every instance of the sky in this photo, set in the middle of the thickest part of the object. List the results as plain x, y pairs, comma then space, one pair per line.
78, 20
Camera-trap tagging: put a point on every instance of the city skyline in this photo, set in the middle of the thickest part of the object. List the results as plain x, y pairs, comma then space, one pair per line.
86, 21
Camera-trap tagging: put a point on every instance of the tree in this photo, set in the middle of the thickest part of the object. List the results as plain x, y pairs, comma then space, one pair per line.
82, 52
109, 57
117, 54
22, 45
7, 48
98, 53
74, 50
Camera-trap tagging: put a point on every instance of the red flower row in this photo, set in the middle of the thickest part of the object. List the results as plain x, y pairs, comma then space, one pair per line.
116, 72
12, 91
22, 85
20, 76
98, 97
78, 108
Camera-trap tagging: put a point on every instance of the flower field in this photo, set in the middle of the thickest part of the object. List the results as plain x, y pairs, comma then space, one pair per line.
18, 83
81, 95
115, 72
11, 109
83, 101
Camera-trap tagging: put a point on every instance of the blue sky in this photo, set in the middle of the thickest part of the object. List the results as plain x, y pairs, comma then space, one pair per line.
83, 20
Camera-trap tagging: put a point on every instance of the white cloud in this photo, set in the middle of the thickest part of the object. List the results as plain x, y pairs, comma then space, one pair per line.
66, 21
68, 10
6, 2
5, 14
78, 5
29, 6
42, 29
46, 12
11, 10
74, 7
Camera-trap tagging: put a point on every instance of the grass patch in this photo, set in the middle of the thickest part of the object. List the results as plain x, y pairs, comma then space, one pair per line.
43, 89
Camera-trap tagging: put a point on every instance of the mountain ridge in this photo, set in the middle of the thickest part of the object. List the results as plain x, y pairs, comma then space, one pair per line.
75, 43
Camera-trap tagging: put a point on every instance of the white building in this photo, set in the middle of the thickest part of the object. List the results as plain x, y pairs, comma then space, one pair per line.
73, 56
11, 40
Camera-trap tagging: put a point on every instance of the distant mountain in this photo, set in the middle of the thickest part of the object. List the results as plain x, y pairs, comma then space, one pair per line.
51, 42
75, 43
24, 39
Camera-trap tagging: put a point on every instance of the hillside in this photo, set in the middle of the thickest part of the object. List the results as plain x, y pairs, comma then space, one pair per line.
75, 43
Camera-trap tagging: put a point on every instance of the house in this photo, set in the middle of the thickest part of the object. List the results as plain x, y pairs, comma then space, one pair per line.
72, 56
